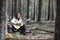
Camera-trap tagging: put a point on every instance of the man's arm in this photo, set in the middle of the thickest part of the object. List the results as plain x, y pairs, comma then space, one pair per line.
13, 21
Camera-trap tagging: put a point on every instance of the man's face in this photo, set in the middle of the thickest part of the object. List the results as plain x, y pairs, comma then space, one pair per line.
18, 15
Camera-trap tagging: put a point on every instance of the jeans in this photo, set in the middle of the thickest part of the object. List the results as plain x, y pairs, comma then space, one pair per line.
22, 30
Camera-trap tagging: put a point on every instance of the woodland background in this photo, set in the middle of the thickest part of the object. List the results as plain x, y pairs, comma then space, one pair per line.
43, 14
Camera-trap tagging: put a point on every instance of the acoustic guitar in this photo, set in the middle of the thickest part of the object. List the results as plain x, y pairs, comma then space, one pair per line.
17, 26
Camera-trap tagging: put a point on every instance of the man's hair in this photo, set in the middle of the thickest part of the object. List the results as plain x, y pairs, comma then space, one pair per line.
15, 15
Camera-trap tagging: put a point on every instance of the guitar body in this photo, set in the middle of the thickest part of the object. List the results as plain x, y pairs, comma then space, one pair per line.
16, 26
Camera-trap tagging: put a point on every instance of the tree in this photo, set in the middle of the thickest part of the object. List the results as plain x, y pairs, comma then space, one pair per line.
0, 10
34, 11
14, 8
48, 10
39, 13
57, 24
27, 9
19, 5
52, 11
2, 26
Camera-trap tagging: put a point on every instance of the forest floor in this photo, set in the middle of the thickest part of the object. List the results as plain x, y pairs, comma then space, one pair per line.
41, 31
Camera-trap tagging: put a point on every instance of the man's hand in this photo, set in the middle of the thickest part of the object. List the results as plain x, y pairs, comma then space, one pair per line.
28, 19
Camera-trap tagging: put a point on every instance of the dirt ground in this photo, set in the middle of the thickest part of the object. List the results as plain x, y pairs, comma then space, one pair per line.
39, 31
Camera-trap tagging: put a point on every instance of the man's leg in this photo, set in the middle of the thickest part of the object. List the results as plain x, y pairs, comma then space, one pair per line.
13, 29
23, 30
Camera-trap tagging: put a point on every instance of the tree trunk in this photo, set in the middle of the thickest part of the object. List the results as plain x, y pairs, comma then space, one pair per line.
52, 11
19, 5
12, 9
54, 5
27, 9
48, 11
15, 6
2, 26
39, 13
57, 24
34, 11
0, 10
